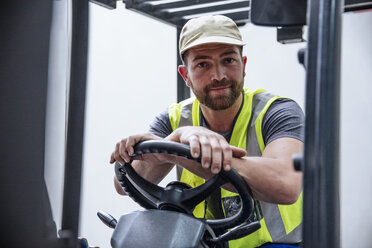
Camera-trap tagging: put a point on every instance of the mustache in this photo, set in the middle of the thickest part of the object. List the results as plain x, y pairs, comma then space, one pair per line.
219, 83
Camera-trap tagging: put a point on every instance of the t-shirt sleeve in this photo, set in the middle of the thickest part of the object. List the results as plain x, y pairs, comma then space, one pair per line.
161, 125
284, 118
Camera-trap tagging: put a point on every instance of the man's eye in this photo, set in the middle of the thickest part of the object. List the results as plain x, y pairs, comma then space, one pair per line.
201, 65
229, 60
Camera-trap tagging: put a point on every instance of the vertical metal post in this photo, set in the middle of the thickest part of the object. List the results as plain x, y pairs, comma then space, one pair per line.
75, 126
321, 162
183, 92
24, 52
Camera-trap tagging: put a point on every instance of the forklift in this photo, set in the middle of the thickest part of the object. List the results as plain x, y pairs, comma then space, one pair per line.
26, 36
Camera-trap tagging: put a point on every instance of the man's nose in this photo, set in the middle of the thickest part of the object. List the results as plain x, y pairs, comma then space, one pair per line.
218, 73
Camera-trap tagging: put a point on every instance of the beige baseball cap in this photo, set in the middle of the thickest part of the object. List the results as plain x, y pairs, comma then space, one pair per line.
209, 29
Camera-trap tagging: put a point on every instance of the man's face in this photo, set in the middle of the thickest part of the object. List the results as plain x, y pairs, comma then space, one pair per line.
215, 73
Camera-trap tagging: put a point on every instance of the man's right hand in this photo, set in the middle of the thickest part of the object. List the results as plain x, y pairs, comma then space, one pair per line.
123, 151
124, 148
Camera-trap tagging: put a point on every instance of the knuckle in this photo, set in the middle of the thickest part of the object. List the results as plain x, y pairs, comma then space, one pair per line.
128, 145
226, 148
205, 142
216, 161
215, 165
205, 160
216, 148
206, 157
122, 152
194, 138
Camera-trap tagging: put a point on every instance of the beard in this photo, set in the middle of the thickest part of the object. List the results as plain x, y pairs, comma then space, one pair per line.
219, 102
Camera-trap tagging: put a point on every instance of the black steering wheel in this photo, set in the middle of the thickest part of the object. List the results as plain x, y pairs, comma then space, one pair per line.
178, 196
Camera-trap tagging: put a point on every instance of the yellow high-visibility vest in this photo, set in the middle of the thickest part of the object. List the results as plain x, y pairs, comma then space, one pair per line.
279, 223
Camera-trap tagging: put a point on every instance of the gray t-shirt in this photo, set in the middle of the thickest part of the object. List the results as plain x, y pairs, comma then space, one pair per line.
284, 118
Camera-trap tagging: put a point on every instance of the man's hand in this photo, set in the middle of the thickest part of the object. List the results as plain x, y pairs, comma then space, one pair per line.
214, 148
124, 148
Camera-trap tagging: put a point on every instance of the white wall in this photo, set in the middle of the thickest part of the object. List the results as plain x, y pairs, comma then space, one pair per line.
132, 77
272, 65
356, 132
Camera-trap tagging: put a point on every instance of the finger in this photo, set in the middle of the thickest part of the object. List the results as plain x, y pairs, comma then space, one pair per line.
131, 141
205, 147
226, 155
194, 144
134, 139
116, 154
238, 152
123, 153
216, 155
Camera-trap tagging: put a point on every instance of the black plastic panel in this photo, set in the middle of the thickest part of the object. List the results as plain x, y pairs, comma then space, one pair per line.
284, 13
354, 5
280, 13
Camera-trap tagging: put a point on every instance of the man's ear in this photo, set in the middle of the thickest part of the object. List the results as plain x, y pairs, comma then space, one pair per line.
182, 69
244, 63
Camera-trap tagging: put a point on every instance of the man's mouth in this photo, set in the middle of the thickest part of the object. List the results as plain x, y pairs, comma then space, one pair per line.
220, 89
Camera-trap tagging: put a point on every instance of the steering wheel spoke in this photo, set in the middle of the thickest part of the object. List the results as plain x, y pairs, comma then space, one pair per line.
152, 190
194, 196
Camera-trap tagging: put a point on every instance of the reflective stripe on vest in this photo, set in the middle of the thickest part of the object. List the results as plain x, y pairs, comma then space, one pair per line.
280, 223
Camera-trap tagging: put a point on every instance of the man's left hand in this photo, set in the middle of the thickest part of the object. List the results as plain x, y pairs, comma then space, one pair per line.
215, 150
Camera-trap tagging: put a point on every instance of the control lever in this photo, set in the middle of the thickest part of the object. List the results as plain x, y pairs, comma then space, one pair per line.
301, 56
237, 232
107, 219
298, 160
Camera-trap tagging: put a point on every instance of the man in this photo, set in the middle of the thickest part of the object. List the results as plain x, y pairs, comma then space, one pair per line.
226, 122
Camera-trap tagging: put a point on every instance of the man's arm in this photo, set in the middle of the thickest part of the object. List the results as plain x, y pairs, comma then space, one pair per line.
271, 177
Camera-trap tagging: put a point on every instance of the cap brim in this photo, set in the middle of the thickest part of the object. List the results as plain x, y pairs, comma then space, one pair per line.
213, 39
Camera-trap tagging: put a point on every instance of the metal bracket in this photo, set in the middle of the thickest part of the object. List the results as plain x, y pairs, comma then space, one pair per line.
109, 4
292, 34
